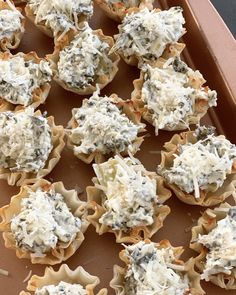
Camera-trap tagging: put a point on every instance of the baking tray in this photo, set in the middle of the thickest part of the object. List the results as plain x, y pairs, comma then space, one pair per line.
211, 49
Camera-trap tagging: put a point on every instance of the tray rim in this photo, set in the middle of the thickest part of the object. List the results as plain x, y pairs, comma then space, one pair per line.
226, 42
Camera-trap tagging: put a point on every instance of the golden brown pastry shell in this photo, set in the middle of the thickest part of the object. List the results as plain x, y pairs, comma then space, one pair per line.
39, 95
201, 105
210, 197
65, 274
118, 11
117, 283
20, 177
134, 116
63, 250
171, 49
42, 24
206, 223
6, 43
102, 81
96, 209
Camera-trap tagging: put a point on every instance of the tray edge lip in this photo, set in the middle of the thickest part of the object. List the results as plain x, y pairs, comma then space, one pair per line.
215, 45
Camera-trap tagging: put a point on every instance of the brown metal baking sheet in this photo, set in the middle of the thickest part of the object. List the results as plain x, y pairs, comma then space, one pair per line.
211, 49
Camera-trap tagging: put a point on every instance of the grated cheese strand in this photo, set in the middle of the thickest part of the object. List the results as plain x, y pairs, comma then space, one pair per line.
27, 277
4, 272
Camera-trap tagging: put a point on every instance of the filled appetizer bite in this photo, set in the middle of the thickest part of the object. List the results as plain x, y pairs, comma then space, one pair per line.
155, 268
171, 96
30, 146
24, 80
44, 222
56, 17
144, 35
199, 166
117, 9
64, 282
12, 25
214, 239
82, 60
104, 126
127, 200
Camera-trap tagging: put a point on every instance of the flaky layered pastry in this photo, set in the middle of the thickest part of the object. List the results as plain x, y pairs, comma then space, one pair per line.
71, 282
104, 126
199, 166
24, 80
171, 96
82, 61
56, 17
44, 222
144, 35
117, 9
30, 146
214, 239
155, 268
12, 26
127, 200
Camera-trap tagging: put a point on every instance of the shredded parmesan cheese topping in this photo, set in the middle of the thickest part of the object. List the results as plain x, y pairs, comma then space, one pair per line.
221, 243
84, 60
19, 78
169, 96
129, 193
25, 141
146, 33
102, 127
154, 271
62, 288
60, 15
43, 222
203, 165
10, 23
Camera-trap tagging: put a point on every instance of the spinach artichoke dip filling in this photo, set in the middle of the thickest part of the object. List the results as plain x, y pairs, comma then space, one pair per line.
19, 78
204, 163
84, 60
25, 141
102, 127
221, 244
43, 222
62, 288
147, 33
153, 271
129, 194
10, 22
169, 96
60, 15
